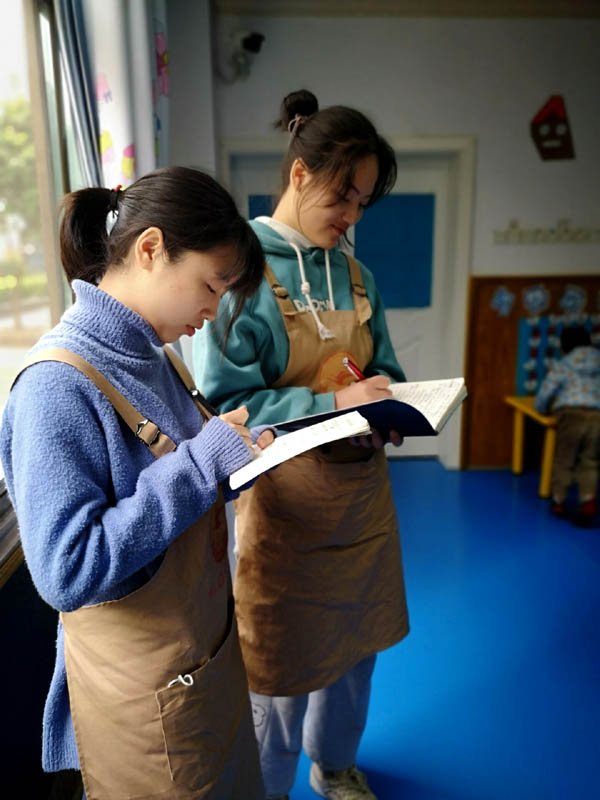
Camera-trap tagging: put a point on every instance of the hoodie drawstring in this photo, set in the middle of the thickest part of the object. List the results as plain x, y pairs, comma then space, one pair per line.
324, 331
328, 271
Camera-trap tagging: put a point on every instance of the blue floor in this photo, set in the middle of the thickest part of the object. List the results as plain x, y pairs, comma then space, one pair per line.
495, 694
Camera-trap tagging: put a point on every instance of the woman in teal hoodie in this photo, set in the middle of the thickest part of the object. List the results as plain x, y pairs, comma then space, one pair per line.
319, 586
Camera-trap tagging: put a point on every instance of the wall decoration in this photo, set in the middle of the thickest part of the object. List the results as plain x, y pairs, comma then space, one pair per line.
536, 299
561, 233
551, 131
503, 301
573, 299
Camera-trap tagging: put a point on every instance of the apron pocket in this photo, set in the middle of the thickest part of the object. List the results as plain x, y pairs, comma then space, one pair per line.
200, 713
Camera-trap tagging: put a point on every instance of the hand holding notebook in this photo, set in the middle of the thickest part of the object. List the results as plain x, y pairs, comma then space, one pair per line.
342, 426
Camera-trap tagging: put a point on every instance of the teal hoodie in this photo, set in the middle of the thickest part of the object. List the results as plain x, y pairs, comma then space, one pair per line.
258, 350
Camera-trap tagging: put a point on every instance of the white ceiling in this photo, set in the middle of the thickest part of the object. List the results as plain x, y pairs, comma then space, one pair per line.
411, 8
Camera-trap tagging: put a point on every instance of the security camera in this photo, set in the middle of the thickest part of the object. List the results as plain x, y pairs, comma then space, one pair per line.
243, 47
252, 42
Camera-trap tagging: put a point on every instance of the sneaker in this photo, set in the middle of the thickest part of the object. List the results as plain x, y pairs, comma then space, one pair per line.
344, 784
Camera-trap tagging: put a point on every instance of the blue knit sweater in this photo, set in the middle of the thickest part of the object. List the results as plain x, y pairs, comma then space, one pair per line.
96, 510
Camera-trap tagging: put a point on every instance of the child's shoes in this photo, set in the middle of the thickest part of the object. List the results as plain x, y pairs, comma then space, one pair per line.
586, 512
558, 509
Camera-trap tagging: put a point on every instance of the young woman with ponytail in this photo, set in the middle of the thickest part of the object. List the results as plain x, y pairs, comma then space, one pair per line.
318, 586
118, 472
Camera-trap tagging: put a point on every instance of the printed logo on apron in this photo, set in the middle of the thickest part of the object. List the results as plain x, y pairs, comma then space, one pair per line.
333, 375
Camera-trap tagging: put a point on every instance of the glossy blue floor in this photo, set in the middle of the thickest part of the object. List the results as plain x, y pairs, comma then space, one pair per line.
495, 694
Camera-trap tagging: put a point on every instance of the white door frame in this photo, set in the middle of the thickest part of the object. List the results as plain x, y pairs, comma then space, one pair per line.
460, 151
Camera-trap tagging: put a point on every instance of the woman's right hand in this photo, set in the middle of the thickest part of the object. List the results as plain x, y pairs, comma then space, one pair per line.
375, 388
236, 419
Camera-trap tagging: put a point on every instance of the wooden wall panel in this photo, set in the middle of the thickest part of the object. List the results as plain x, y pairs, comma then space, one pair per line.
492, 341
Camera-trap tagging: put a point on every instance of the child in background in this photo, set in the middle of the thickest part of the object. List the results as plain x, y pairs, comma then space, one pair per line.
118, 475
319, 587
571, 391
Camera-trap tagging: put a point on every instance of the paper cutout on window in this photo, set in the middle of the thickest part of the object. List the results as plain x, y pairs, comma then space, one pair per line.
551, 131
107, 151
128, 162
103, 92
162, 62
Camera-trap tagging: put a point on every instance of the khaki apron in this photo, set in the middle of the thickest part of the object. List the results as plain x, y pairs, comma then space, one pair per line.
319, 583
158, 693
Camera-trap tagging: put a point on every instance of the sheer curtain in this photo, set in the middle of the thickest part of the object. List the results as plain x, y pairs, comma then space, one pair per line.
78, 78
116, 51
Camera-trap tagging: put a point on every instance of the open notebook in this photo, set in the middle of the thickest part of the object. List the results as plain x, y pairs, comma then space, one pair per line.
292, 444
420, 408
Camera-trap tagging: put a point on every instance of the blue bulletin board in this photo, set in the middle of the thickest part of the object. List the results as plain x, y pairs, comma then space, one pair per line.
394, 239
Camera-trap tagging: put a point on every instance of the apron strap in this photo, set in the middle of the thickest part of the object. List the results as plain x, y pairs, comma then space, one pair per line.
361, 301
362, 305
144, 429
280, 293
180, 368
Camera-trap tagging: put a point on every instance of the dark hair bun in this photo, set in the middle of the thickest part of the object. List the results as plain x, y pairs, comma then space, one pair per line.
302, 103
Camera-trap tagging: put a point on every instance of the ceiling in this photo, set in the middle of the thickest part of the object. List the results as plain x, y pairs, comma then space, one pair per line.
575, 9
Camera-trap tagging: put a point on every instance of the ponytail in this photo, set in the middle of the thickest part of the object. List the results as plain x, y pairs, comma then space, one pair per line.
83, 238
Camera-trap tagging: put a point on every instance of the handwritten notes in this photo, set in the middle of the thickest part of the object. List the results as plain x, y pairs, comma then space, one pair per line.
434, 399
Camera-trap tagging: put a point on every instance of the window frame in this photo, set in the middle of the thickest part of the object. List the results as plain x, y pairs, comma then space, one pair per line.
11, 553
48, 190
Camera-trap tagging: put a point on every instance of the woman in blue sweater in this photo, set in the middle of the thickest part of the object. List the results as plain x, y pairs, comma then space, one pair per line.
118, 472
319, 587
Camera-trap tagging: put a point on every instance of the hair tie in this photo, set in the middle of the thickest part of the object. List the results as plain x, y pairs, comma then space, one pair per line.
113, 202
295, 122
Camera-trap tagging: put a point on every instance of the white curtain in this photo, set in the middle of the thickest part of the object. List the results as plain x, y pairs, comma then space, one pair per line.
127, 42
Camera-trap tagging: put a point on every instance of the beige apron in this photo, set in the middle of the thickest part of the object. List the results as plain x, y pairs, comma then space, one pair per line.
157, 689
319, 582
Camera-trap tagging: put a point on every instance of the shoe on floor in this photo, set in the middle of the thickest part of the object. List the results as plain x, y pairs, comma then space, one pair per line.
586, 513
558, 509
345, 784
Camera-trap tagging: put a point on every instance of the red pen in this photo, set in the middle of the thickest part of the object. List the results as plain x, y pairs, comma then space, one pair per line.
353, 369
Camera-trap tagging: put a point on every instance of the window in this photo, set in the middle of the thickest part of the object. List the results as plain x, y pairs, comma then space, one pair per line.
24, 302
38, 163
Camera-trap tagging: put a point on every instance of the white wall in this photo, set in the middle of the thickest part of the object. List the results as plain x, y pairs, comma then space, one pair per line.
192, 129
426, 77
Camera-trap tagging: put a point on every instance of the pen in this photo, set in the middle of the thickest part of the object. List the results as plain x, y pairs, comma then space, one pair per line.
201, 399
353, 369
